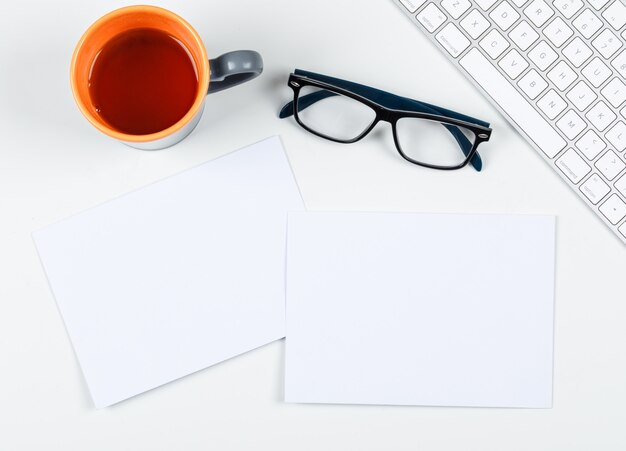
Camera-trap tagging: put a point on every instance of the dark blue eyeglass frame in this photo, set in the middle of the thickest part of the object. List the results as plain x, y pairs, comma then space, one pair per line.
388, 108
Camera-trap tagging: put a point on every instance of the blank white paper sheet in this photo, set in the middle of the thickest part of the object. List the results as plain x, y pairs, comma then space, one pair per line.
420, 309
177, 276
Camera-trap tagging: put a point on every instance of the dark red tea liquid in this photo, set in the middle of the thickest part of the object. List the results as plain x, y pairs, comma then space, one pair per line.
143, 81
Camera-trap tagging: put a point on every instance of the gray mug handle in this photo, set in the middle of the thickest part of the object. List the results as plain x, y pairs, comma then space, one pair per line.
234, 68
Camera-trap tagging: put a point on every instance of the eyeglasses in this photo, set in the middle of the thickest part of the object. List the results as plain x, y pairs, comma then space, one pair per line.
345, 112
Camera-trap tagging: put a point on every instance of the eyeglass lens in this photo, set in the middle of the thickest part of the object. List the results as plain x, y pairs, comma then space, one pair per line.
431, 142
333, 115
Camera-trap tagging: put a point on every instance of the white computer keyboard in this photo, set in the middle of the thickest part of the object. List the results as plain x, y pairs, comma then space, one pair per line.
557, 70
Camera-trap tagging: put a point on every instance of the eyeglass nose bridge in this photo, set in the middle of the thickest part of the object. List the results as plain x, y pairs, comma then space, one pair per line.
385, 116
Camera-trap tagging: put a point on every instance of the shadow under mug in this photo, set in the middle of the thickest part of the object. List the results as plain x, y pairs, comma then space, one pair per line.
214, 75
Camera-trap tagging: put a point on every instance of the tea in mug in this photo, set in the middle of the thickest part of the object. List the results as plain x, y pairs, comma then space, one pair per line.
143, 81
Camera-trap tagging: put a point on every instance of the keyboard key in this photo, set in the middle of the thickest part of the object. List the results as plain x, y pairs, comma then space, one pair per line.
595, 189
519, 3
538, 12
622, 229
577, 52
524, 35
620, 185
614, 209
590, 145
568, 7
475, 24
504, 15
486, 4
511, 101
601, 116
453, 40
615, 14
543, 55
532, 84
596, 72
587, 23
552, 104
610, 165
558, 32
562, 76
598, 4
431, 17
573, 166
617, 136
456, 8
581, 95
412, 5
513, 64
607, 43
615, 92
494, 44
571, 124
619, 64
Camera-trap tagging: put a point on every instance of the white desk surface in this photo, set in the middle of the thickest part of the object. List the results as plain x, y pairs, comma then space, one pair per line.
54, 164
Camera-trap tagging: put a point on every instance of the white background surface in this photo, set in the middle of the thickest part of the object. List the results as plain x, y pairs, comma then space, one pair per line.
54, 164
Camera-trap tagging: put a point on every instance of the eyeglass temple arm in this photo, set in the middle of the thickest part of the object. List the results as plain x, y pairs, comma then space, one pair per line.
391, 101
387, 99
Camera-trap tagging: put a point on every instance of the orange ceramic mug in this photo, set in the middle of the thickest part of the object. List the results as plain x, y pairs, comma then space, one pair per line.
213, 75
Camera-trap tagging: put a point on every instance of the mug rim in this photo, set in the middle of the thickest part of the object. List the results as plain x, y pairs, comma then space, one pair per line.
203, 76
